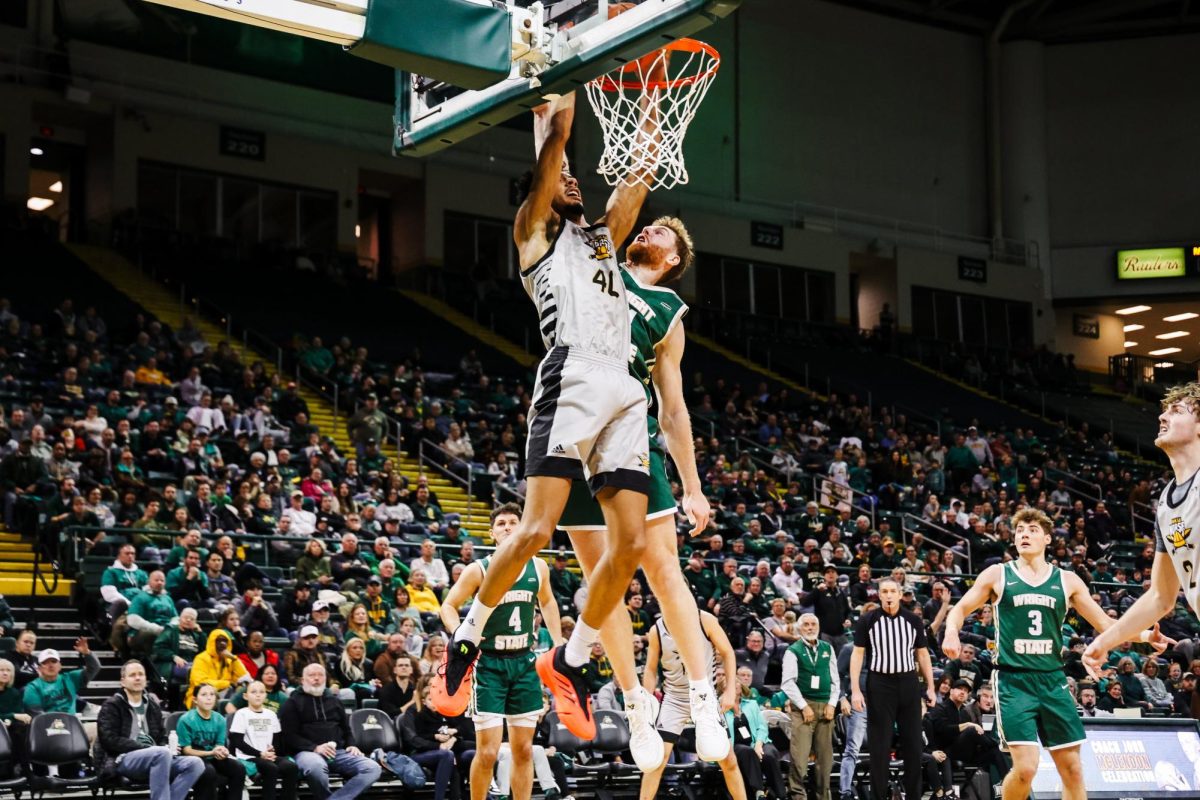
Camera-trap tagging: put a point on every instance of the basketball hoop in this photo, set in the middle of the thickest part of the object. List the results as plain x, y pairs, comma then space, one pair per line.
645, 107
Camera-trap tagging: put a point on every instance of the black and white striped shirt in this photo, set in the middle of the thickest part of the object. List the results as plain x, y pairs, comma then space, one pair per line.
891, 642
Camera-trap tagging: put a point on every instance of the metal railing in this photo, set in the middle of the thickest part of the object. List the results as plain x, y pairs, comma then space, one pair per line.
468, 483
1095, 492
929, 530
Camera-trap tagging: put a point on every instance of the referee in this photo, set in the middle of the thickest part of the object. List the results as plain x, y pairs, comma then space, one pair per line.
892, 642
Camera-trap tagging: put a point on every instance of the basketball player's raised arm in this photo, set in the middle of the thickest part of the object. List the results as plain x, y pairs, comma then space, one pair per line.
625, 203
676, 424
547, 603
551, 130
727, 656
653, 654
983, 590
1152, 606
460, 592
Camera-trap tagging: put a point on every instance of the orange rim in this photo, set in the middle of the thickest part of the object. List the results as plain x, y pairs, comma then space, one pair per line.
610, 84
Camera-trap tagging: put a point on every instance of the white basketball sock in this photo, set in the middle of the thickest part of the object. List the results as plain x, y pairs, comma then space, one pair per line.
579, 646
471, 629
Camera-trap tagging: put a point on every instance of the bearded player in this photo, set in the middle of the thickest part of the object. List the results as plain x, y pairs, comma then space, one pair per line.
1034, 704
506, 687
588, 417
1176, 527
660, 254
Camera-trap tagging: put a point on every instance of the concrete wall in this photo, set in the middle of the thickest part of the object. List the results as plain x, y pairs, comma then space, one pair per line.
1123, 160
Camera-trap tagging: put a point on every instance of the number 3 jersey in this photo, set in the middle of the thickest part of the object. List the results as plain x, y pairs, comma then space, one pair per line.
1029, 620
1177, 533
579, 293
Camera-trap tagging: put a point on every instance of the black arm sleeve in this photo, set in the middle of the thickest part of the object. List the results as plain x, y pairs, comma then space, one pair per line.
238, 741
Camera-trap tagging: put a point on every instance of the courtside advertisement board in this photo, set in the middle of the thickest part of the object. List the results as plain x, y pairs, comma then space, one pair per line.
1131, 759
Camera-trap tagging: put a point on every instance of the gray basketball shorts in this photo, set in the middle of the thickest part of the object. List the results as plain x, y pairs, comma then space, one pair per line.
674, 715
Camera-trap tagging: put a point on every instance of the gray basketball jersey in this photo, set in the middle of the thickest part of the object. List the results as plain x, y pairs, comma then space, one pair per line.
579, 293
1177, 526
675, 677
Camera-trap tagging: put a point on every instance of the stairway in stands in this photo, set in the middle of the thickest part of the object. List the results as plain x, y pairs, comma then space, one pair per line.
16, 570
164, 305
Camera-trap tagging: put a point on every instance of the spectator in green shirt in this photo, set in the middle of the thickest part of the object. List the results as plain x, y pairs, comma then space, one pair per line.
55, 690
317, 357
149, 613
190, 540
202, 734
122, 581
177, 647
702, 582
12, 699
564, 583
188, 585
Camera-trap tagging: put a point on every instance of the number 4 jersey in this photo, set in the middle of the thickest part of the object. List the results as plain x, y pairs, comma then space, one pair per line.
1029, 620
510, 627
1177, 533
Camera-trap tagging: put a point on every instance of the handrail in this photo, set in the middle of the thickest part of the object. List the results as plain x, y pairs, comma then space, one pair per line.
766, 465
467, 483
942, 530
262, 538
497, 488
1071, 476
1150, 521
37, 577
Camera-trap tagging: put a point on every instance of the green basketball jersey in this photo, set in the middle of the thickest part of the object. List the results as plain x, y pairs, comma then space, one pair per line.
510, 627
1029, 621
653, 313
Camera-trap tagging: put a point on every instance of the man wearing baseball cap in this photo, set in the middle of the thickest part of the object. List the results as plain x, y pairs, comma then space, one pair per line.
55, 690
303, 653
329, 638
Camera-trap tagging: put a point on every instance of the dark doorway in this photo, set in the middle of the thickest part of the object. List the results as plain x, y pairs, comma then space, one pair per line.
56, 187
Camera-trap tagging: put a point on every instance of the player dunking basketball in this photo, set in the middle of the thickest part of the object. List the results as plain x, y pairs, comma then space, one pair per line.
588, 417
1034, 704
660, 254
1176, 527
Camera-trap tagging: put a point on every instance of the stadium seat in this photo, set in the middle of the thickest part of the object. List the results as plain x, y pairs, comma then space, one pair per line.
173, 720
56, 741
372, 729
10, 772
562, 739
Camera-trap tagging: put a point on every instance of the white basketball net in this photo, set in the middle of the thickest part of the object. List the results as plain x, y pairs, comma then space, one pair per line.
644, 116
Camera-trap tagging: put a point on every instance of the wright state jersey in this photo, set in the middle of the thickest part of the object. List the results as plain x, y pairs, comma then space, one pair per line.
653, 314
1029, 621
510, 627
1177, 533
578, 292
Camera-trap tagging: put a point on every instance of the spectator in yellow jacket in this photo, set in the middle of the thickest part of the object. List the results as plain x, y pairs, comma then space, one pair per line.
217, 665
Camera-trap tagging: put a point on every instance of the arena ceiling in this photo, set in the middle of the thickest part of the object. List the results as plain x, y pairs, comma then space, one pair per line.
1050, 21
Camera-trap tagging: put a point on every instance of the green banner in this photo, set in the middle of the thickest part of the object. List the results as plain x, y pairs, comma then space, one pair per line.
1163, 262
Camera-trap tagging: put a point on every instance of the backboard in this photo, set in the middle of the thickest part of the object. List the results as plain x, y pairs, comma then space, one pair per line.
556, 47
